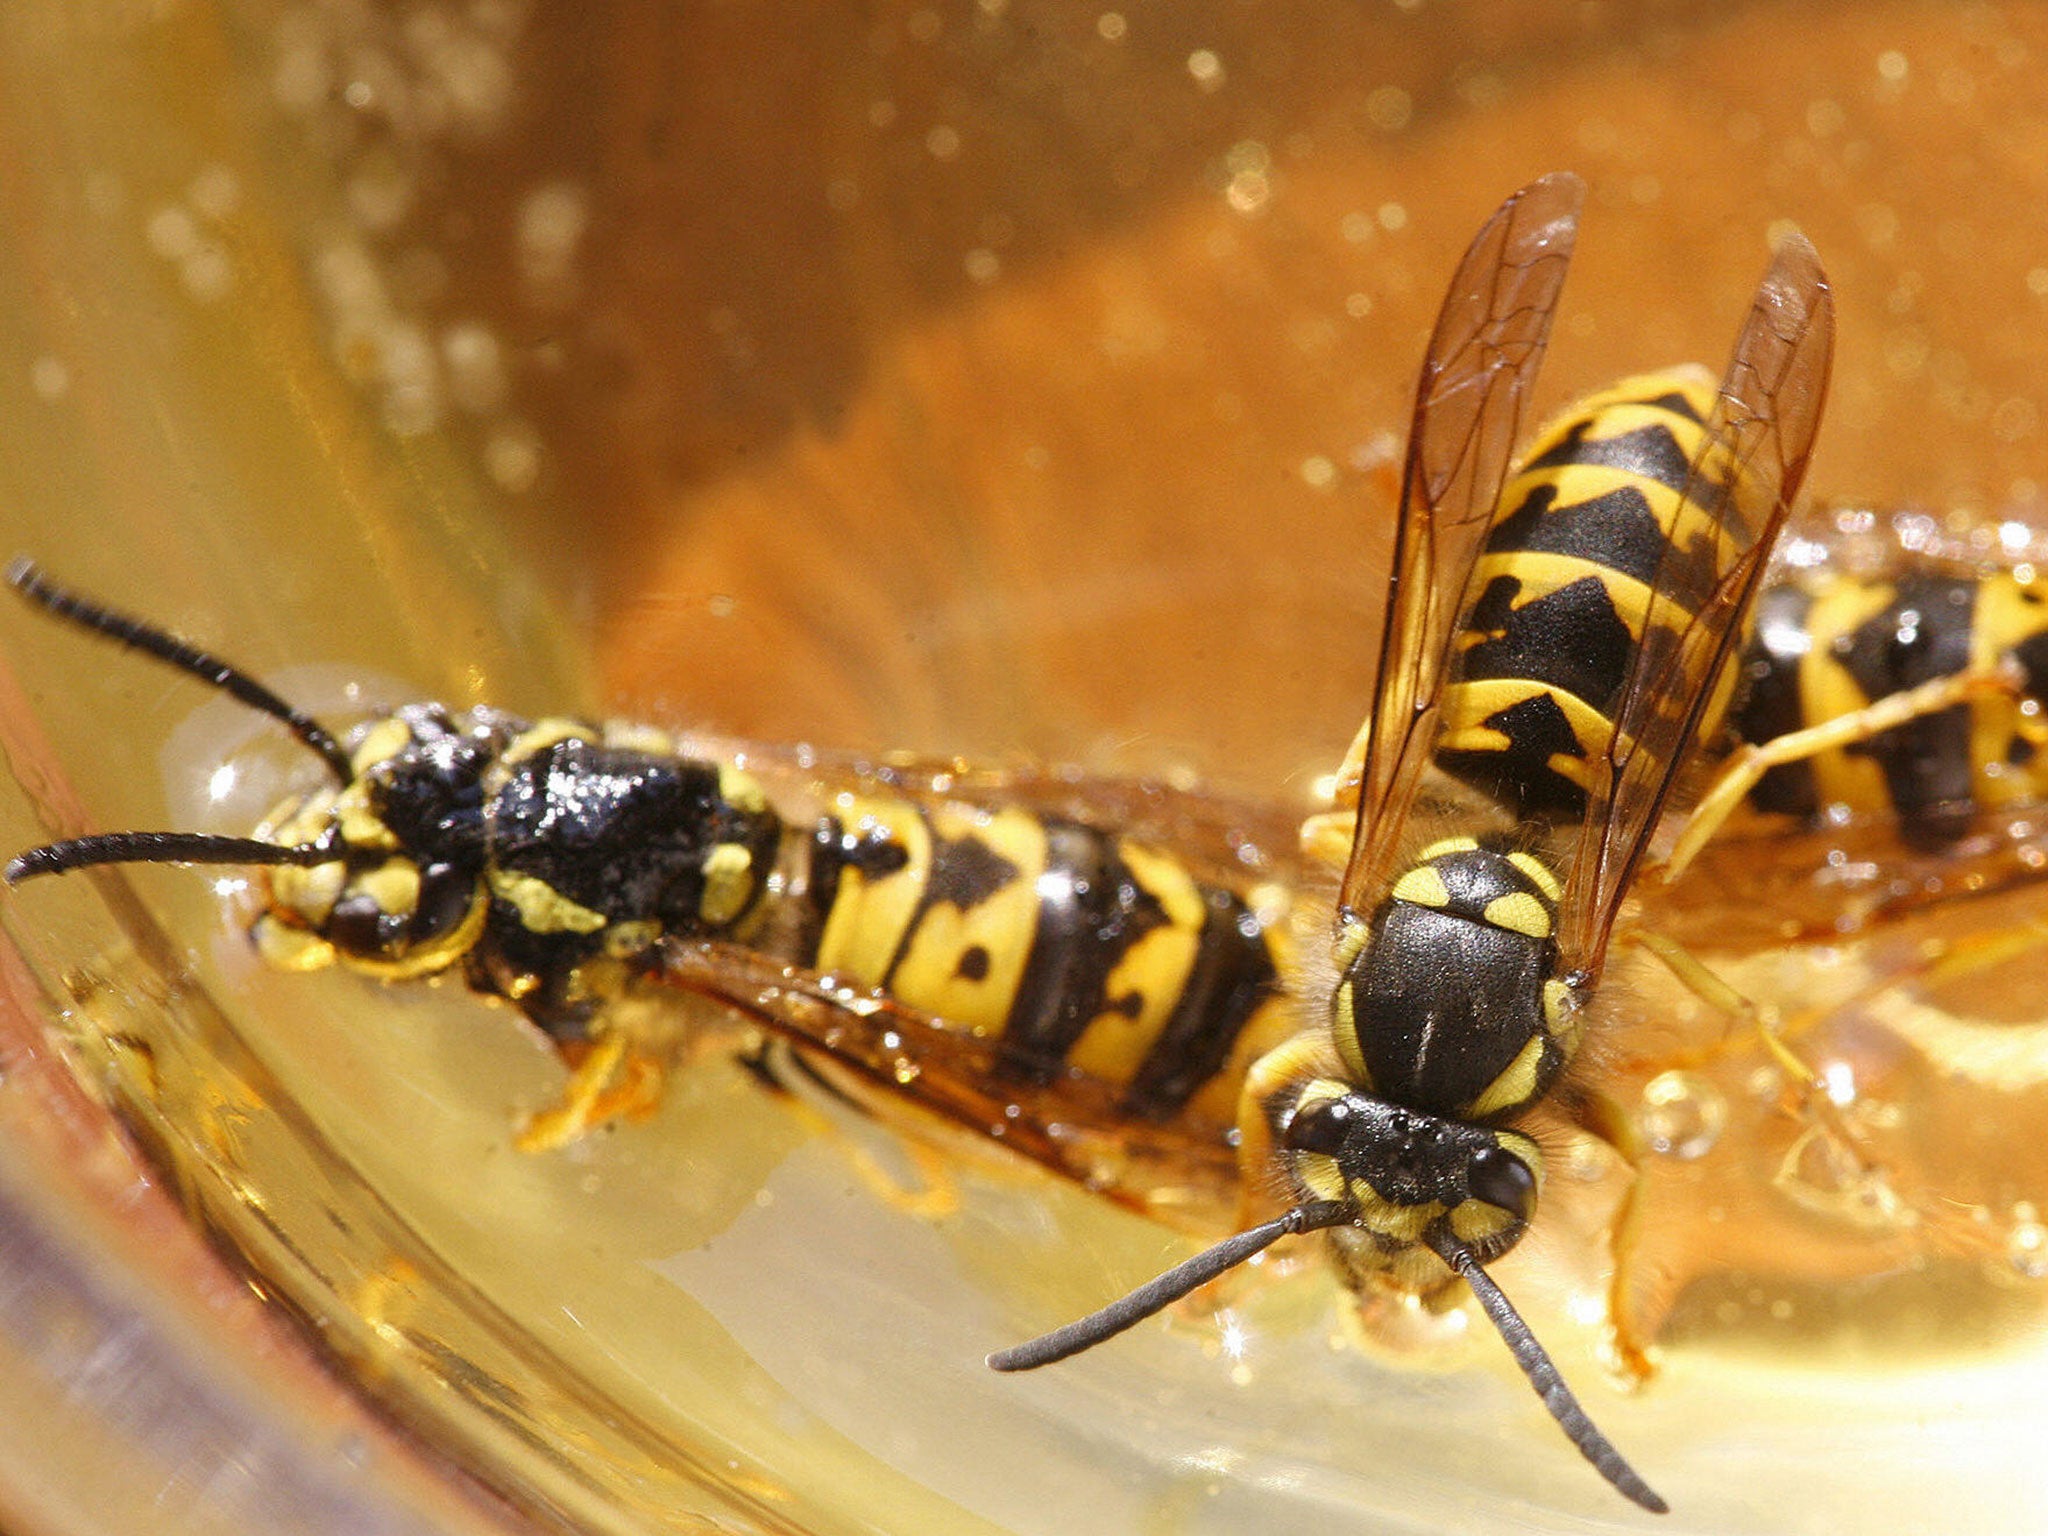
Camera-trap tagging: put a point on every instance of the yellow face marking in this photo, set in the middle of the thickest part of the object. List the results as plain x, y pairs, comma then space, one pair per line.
1155, 970
728, 884
623, 940
393, 886
1539, 874
297, 822
540, 906
1474, 1221
1519, 912
435, 955
966, 965
1422, 886
289, 948
357, 820
1516, 1084
308, 892
386, 739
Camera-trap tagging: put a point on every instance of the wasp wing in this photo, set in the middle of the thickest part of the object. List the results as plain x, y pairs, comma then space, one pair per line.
1182, 1170
1482, 358
1736, 499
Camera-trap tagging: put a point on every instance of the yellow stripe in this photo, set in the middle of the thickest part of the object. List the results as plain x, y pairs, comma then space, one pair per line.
1515, 1085
929, 972
1113, 1045
1540, 574
2008, 613
871, 912
1827, 691
1462, 725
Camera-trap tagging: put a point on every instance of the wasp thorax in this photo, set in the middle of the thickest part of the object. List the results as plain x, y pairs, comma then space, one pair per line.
1449, 999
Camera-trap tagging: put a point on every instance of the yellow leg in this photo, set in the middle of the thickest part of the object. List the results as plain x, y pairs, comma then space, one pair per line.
1753, 761
1631, 1356
612, 1082
1724, 999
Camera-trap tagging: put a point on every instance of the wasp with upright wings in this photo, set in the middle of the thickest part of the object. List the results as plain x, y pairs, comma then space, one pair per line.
1550, 657
1026, 959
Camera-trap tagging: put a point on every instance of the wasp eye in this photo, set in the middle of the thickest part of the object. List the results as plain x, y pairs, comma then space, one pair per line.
1320, 1126
1500, 1178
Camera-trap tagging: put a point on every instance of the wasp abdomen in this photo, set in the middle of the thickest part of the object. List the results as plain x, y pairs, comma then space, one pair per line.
1582, 536
1074, 948
1829, 645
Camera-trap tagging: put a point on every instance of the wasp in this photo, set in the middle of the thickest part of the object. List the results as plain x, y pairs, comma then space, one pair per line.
1010, 942
1553, 649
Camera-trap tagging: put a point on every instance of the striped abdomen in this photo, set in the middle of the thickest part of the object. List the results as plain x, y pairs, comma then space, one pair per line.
1827, 645
1074, 948
1563, 586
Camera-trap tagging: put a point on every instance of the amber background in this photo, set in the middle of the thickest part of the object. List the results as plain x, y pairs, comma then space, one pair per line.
945, 375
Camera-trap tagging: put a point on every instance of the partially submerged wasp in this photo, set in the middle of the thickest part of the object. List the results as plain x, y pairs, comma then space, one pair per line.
1047, 976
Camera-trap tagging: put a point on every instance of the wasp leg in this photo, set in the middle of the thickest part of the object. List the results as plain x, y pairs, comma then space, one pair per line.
1630, 1355
820, 1099
1753, 760
612, 1082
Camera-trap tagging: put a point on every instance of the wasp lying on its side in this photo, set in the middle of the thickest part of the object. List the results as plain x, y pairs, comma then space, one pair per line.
1550, 658
560, 865
1893, 702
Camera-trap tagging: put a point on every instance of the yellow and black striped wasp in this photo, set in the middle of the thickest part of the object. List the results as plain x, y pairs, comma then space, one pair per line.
994, 939
1894, 706
1550, 657
1026, 960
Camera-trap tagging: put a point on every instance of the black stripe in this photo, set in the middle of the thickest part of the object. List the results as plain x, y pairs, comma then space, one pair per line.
1770, 705
1616, 531
1651, 452
1232, 975
874, 854
1922, 635
1091, 910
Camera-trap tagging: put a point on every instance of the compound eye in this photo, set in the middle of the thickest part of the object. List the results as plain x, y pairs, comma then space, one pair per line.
358, 926
1322, 1126
1502, 1179
446, 896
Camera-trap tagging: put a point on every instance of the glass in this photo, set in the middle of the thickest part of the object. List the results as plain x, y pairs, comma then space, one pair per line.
1012, 380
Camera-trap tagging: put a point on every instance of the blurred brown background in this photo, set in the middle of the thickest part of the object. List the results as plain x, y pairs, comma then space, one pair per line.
1046, 349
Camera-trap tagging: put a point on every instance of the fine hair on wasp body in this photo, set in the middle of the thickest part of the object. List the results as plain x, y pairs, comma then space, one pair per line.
1554, 646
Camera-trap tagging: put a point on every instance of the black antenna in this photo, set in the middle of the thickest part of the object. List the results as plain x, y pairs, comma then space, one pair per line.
1157, 1295
1543, 1375
27, 578
161, 848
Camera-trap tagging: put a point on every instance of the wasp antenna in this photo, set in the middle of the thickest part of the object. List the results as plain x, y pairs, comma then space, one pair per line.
27, 578
159, 848
1543, 1375
1156, 1295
